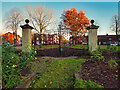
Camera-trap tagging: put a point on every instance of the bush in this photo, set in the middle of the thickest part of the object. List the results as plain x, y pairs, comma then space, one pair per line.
110, 49
112, 64
96, 55
12, 64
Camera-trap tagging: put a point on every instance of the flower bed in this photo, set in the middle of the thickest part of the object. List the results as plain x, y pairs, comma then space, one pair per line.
13, 64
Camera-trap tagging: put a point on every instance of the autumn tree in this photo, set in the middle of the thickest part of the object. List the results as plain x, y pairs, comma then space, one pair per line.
41, 18
13, 19
115, 27
75, 22
64, 41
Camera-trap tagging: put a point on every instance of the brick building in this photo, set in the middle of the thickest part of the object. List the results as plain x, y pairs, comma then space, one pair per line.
108, 39
46, 39
83, 40
102, 40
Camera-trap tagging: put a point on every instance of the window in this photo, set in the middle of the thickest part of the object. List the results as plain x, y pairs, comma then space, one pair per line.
119, 38
99, 43
37, 38
119, 43
37, 42
110, 42
104, 42
109, 38
104, 39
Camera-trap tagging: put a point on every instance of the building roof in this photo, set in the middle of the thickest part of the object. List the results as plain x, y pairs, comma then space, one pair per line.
108, 35
105, 35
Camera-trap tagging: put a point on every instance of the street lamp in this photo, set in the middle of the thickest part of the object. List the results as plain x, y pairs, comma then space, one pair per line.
60, 28
14, 35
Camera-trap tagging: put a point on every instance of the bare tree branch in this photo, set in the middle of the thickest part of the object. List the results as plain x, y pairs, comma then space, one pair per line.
13, 18
115, 26
40, 17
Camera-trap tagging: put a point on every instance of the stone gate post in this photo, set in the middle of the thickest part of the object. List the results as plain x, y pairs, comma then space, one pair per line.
26, 36
92, 36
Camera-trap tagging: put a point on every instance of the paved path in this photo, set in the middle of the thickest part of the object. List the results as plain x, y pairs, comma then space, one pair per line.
71, 57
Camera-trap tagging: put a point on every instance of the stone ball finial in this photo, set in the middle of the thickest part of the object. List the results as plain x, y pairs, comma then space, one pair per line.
27, 21
92, 21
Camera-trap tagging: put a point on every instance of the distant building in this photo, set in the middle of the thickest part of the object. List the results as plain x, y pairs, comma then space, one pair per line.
102, 40
108, 39
78, 40
47, 39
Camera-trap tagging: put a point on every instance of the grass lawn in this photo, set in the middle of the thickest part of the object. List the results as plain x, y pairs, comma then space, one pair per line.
72, 46
79, 46
48, 46
43, 47
58, 74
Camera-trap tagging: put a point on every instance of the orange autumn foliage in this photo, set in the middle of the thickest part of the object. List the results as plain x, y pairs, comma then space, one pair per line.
64, 40
76, 22
8, 37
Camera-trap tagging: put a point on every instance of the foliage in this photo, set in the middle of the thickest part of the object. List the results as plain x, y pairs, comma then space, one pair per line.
109, 49
64, 41
12, 64
97, 56
79, 83
112, 64
76, 22
112, 49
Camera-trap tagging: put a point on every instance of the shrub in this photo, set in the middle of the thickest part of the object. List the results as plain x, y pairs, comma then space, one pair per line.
9, 62
96, 55
112, 64
111, 49
12, 64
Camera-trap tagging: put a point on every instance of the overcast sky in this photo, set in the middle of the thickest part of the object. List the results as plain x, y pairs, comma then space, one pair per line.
101, 11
